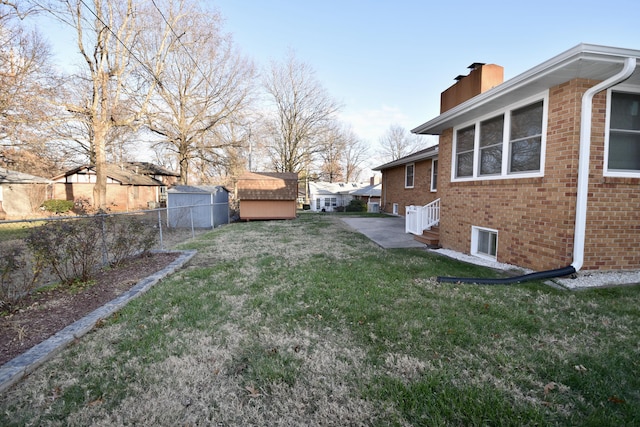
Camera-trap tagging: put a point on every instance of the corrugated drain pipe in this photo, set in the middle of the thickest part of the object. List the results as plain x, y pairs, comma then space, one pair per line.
582, 193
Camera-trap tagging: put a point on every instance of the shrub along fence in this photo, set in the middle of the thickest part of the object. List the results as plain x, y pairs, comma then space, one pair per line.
37, 252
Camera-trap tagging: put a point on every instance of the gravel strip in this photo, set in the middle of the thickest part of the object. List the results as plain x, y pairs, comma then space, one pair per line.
582, 280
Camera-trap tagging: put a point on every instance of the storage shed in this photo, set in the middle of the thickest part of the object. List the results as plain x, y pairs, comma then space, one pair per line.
203, 206
268, 195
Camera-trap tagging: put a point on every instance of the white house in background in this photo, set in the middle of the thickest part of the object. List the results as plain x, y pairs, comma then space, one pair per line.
370, 195
332, 196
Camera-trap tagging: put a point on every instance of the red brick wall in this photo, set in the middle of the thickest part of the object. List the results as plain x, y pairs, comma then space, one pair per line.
613, 213
535, 216
393, 190
119, 197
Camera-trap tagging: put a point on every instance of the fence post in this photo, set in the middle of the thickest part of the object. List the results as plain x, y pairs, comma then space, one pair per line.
193, 233
160, 228
105, 255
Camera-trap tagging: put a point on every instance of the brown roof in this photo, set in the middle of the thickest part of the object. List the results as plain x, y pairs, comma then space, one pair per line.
268, 186
146, 168
117, 173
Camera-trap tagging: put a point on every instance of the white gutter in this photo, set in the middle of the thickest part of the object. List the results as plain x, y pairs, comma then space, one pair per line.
585, 152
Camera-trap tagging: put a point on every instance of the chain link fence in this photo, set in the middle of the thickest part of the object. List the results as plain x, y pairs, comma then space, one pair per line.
36, 252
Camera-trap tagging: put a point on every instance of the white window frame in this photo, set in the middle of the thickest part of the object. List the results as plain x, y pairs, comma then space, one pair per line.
506, 145
395, 209
475, 239
434, 167
616, 172
413, 175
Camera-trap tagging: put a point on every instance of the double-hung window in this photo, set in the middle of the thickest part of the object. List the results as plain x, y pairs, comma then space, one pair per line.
525, 141
623, 151
507, 144
491, 141
464, 151
409, 175
434, 175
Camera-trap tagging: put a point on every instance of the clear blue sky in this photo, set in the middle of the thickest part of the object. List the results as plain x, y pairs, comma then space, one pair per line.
388, 61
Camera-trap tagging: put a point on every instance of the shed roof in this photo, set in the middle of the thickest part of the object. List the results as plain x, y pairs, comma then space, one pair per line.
13, 177
268, 186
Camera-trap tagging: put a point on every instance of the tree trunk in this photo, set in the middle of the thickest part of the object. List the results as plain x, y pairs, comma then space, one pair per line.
100, 128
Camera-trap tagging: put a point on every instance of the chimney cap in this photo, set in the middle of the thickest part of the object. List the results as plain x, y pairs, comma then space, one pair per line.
476, 65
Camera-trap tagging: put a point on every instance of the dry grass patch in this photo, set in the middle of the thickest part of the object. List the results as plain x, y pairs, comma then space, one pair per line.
307, 323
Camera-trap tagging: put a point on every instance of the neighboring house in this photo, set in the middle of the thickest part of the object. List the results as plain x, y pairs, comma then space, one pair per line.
129, 186
167, 177
197, 206
332, 196
21, 194
370, 195
411, 180
267, 195
542, 171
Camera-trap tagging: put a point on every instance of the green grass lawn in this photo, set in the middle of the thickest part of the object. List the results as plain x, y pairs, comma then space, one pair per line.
306, 322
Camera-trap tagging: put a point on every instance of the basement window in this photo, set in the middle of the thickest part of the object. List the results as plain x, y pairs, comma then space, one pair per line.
484, 242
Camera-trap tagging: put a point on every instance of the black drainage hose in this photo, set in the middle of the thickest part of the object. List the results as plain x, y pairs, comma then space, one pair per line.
540, 275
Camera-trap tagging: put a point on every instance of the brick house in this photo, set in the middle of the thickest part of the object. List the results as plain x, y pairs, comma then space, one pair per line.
541, 171
267, 195
130, 186
411, 180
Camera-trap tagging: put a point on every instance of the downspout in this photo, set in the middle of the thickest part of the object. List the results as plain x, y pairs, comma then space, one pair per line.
582, 190
583, 159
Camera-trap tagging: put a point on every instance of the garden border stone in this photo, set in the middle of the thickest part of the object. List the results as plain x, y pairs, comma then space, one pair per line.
17, 368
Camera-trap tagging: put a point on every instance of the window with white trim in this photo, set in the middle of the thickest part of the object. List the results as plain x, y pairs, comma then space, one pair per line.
623, 136
434, 175
491, 140
484, 242
464, 151
408, 175
509, 143
330, 202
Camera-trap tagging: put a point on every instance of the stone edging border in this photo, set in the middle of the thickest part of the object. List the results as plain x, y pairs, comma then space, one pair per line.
20, 366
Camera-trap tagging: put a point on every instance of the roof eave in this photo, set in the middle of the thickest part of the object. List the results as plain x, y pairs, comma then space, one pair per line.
547, 68
411, 158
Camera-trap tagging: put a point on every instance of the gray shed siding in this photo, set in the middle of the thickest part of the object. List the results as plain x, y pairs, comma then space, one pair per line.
206, 206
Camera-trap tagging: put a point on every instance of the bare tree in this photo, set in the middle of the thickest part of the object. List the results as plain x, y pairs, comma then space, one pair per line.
355, 153
200, 107
117, 86
27, 85
396, 143
332, 154
302, 114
